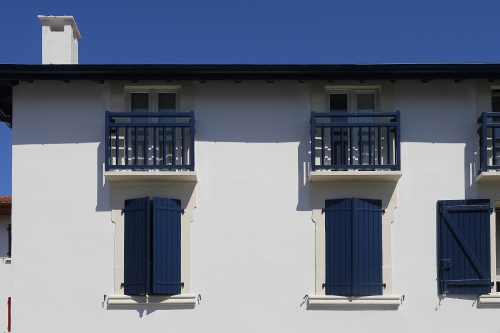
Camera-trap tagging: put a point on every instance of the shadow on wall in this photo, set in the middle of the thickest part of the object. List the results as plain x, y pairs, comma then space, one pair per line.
102, 186
257, 112
348, 308
303, 165
319, 192
148, 309
441, 112
252, 111
56, 113
473, 298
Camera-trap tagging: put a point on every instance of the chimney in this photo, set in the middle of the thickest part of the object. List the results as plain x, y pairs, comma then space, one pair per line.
59, 39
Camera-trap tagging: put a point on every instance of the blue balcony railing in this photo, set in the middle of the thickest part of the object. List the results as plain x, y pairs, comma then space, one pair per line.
348, 141
489, 141
145, 140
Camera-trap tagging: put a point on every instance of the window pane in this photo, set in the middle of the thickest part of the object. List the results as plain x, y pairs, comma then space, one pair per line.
166, 102
495, 100
338, 102
366, 103
139, 102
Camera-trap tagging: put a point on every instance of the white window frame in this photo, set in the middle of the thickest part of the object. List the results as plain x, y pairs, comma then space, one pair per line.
152, 95
352, 92
152, 92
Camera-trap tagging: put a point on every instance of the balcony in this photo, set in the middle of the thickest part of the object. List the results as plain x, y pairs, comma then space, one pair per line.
149, 146
489, 147
355, 146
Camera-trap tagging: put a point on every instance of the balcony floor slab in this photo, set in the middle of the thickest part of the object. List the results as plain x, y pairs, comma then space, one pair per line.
354, 176
488, 177
150, 176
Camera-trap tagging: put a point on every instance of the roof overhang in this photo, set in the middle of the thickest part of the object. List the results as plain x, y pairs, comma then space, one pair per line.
11, 74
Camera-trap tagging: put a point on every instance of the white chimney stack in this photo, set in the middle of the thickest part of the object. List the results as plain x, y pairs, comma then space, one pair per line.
59, 39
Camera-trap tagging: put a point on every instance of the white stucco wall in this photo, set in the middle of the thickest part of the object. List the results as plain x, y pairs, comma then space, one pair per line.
252, 237
59, 41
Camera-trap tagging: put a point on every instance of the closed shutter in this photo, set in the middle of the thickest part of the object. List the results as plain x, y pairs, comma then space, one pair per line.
367, 247
464, 246
136, 246
353, 247
166, 277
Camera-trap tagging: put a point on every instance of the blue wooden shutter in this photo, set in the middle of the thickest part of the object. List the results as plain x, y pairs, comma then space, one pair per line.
166, 276
464, 246
338, 231
353, 247
136, 246
367, 247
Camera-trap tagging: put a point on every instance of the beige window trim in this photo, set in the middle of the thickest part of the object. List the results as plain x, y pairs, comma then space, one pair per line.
184, 191
320, 192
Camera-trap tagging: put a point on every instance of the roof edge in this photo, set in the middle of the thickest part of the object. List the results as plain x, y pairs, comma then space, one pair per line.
13, 72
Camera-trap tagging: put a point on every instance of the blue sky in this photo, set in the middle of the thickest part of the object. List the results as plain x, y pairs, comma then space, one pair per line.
256, 31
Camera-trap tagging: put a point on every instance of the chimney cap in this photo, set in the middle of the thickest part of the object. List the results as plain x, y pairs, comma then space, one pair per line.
43, 18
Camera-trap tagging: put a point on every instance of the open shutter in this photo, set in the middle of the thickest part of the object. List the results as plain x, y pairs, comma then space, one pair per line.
464, 246
136, 245
166, 277
353, 247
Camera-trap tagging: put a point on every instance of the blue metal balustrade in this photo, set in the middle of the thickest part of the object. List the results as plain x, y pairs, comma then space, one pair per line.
349, 141
145, 140
489, 141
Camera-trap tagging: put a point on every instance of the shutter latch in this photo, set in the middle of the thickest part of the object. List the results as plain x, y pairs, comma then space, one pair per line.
445, 264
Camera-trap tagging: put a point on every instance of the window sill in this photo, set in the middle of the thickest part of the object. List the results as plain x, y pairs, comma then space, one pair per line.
491, 299
175, 300
488, 177
351, 301
355, 176
123, 177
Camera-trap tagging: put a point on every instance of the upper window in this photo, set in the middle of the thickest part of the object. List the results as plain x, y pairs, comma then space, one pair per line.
352, 100
152, 100
152, 246
495, 100
353, 232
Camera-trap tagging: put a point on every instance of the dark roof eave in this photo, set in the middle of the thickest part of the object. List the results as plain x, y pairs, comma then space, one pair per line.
9, 73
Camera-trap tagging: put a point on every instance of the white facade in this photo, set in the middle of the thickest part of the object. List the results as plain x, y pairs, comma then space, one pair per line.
250, 247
